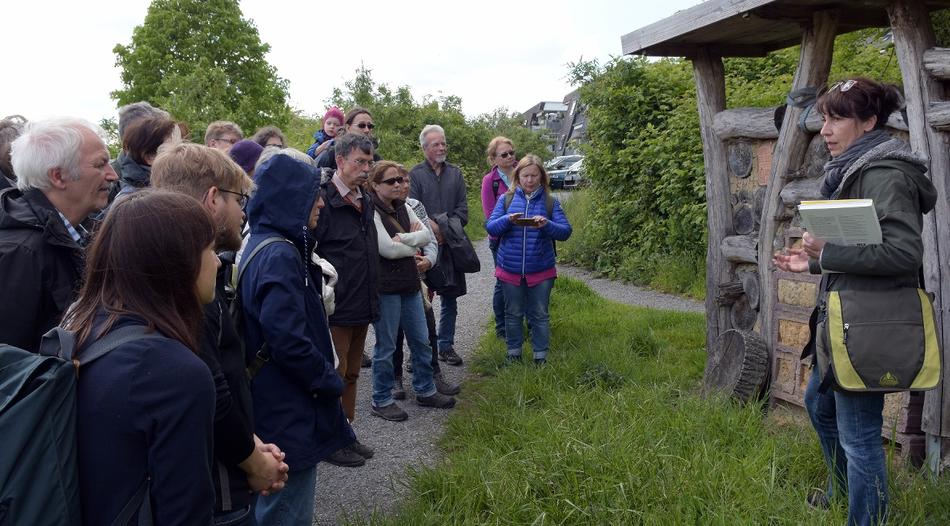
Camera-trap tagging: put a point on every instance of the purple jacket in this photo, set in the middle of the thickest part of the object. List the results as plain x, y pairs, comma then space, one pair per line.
490, 198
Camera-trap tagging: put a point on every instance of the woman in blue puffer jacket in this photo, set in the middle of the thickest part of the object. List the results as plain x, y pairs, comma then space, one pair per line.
528, 219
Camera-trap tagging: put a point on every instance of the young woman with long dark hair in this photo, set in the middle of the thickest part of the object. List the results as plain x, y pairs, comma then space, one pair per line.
146, 409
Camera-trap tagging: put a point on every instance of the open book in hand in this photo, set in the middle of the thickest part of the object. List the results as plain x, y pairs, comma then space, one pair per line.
842, 221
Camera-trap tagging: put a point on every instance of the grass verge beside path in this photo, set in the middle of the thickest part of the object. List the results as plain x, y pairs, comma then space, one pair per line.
611, 431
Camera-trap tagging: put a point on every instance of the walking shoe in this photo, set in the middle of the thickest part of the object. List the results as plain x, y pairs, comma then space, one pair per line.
362, 450
444, 386
818, 500
346, 458
399, 392
367, 361
513, 358
450, 357
437, 400
391, 412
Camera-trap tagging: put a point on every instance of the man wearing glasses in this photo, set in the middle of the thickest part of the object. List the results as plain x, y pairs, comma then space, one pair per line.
440, 187
222, 135
346, 237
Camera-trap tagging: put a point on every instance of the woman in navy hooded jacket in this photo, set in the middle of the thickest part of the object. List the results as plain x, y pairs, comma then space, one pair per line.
297, 391
525, 264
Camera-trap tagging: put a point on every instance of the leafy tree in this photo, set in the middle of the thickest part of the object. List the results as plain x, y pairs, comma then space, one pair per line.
201, 60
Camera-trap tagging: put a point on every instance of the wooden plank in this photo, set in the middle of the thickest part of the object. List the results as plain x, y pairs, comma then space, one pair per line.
937, 62
938, 116
913, 35
709, 74
696, 17
751, 123
813, 67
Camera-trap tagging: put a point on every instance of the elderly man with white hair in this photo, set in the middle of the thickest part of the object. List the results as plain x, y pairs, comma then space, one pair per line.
63, 176
440, 187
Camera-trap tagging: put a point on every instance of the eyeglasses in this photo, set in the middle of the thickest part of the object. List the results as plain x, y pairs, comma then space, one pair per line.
365, 125
229, 141
242, 197
845, 85
394, 181
507, 154
367, 163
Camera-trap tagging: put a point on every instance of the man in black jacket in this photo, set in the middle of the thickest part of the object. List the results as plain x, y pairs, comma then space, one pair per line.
243, 464
63, 176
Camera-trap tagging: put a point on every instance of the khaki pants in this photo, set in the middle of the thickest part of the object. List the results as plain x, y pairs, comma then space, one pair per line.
349, 343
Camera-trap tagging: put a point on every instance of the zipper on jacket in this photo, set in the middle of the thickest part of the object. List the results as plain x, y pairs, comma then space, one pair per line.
524, 237
846, 327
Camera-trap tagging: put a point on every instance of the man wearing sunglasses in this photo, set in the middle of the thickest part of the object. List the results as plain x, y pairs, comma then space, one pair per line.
440, 187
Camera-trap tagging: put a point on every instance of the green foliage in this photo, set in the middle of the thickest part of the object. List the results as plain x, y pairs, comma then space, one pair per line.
202, 61
612, 431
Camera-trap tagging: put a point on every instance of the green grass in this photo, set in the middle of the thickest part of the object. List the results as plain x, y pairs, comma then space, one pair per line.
672, 273
612, 431
475, 229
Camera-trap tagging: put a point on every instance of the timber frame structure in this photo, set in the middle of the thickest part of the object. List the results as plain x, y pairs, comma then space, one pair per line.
714, 29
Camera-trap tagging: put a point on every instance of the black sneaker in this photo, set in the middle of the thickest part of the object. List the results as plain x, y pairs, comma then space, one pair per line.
346, 458
444, 386
362, 450
818, 500
391, 412
437, 400
367, 361
399, 391
450, 357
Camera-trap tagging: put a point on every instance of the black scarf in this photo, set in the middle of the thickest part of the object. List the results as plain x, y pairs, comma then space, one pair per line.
838, 166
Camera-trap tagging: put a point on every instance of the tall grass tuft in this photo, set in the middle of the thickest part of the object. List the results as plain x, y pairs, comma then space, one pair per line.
612, 431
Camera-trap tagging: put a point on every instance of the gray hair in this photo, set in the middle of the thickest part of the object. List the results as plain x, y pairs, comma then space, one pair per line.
136, 111
343, 146
429, 128
49, 144
271, 151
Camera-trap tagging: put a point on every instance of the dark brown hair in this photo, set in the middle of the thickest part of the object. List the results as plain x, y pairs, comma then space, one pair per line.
143, 137
144, 262
264, 134
860, 98
350, 115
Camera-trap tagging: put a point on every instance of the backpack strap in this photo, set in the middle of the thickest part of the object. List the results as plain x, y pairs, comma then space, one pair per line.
548, 202
509, 196
247, 260
495, 185
140, 502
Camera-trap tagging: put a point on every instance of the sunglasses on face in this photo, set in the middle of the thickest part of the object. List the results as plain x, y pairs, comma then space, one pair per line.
365, 125
394, 181
845, 85
507, 154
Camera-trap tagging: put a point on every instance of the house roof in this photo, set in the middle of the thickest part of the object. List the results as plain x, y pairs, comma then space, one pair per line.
750, 28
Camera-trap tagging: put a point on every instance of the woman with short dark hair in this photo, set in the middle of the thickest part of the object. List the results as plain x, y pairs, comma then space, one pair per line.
145, 410
866, 163
141, 142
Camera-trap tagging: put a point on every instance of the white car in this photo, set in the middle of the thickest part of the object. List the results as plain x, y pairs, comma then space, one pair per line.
574, 176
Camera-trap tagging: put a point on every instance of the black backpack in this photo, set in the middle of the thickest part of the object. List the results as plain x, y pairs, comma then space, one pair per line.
39, 475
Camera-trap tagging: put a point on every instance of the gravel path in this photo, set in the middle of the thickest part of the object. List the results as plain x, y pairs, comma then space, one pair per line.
351, 493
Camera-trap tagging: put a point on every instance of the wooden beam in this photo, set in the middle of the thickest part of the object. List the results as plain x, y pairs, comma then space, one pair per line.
751, 123
938, 116
937, 62
710, 77
813, 67
913, 35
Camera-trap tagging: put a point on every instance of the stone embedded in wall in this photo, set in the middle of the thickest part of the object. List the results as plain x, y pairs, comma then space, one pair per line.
793, 334
798, 293
739, 155
763, 161
816, 156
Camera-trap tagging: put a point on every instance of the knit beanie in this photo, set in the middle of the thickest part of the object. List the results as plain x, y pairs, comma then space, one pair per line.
334, 112
246, 153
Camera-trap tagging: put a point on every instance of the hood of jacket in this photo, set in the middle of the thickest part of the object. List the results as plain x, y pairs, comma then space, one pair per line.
897, 150
134, 174
31, 210
286, 191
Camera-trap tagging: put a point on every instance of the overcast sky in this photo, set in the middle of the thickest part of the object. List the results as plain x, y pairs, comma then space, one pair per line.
491, 53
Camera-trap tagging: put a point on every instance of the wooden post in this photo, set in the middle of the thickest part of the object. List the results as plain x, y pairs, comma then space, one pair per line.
913, 35
710, 79
813, 67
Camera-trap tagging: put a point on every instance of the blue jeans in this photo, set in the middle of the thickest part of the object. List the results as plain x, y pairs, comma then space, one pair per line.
447, 315
849, 431
498, 297
405, 310
532, 302
292, 506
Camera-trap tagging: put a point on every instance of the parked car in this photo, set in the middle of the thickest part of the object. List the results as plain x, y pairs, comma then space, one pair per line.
557, 168
575, 175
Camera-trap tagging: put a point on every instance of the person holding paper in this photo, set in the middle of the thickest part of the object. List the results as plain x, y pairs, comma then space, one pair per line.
866, 163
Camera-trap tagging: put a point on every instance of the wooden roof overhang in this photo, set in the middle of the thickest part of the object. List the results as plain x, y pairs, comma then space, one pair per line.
750, 28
